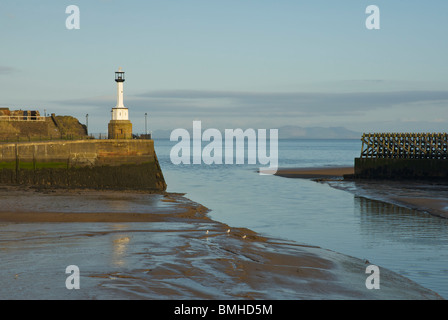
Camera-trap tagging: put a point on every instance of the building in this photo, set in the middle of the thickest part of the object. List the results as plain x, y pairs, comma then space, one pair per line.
120, 127
20, 115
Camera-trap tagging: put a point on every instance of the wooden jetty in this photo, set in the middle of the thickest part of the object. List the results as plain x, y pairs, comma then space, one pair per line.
403, 156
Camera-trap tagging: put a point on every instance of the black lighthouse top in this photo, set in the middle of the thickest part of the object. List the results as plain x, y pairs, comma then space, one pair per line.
119, 76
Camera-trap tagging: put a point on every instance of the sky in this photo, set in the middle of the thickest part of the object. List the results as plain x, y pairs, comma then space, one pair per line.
230, 63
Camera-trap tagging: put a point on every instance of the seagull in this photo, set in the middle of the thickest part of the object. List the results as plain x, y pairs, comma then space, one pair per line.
244, 237
228, 230
206, 232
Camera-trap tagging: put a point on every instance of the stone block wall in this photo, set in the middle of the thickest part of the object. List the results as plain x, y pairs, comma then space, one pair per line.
106, 164
120, 129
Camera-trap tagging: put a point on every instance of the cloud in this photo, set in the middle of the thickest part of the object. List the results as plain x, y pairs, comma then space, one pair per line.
4, 70
286, 107
287, 103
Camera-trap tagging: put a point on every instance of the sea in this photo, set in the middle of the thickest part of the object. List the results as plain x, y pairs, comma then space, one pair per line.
358, 220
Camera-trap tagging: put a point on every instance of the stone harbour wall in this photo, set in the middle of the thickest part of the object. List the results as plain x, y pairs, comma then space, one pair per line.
100, 164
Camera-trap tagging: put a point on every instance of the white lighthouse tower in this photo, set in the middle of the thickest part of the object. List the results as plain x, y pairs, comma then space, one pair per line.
119, 126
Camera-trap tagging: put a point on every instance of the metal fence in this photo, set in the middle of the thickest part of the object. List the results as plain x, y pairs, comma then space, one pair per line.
22, 118
102, 136
15, 138
92, 136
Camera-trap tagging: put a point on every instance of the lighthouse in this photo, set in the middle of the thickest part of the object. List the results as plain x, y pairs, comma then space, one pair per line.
120, 127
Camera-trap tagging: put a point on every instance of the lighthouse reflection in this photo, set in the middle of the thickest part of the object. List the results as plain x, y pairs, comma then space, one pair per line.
120, 245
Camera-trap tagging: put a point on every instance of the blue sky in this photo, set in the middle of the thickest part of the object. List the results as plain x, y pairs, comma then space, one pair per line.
246, 63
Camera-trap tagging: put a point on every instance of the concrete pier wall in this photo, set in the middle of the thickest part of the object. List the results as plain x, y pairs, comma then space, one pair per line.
377, 168
104, 164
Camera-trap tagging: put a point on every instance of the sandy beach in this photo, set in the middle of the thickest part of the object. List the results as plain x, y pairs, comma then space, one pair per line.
163, 246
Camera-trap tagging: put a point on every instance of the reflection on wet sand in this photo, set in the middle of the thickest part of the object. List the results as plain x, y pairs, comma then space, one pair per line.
120, 245
428, 197
387, 220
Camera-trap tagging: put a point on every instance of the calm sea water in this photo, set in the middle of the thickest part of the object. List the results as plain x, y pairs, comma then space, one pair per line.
409, 242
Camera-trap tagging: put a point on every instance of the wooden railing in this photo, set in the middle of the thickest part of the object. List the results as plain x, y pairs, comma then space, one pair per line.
404, 145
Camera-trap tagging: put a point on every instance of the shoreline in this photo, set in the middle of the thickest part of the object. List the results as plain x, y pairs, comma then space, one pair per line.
434, 206
315, 173
165, 252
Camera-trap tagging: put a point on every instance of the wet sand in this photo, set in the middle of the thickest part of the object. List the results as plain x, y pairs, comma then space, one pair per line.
163, 246
434, 205
314, 173
437, 207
